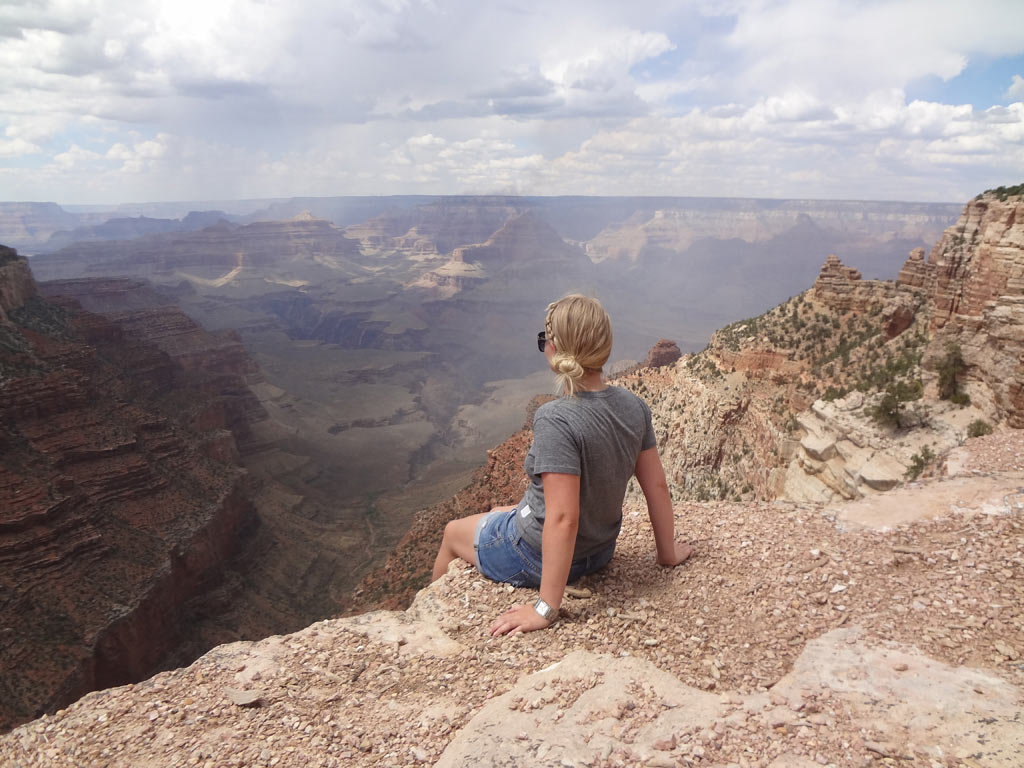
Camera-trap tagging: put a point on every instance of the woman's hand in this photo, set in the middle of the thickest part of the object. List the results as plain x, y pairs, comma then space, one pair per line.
680, 554
522, 618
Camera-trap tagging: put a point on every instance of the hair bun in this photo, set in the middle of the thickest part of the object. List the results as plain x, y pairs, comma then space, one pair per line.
568, 366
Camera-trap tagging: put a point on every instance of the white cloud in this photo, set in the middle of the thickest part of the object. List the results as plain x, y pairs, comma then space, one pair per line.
1016, 89
75, 158
835, 49
17, 148
159, 100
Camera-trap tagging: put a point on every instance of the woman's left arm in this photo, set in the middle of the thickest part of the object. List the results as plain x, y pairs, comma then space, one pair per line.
561, 521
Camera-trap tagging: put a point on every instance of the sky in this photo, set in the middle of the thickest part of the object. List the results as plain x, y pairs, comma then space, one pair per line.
118, 101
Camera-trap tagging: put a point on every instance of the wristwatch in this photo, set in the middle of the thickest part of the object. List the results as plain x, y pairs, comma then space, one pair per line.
546, 611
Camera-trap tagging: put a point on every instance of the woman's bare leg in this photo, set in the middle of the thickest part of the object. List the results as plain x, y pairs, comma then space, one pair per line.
458, 542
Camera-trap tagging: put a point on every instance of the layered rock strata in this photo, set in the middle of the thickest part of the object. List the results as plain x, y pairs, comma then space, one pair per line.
731, 405
978, 295
215, 255
121, 498
522, 246
841, 289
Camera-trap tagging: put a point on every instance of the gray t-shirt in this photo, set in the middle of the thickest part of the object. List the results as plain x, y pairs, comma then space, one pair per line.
598, 436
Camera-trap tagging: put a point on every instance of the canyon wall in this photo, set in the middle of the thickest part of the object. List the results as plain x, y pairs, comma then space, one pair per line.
16, 283
834, 394
977, 286
121, 495
312, 246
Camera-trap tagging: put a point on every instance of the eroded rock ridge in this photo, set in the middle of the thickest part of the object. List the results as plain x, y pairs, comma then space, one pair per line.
121, 494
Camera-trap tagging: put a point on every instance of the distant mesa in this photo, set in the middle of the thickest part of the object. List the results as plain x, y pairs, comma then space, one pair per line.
445, 222
524, 239
451, 277
130, 229
26, 224
523, 243
303, 248
664, 352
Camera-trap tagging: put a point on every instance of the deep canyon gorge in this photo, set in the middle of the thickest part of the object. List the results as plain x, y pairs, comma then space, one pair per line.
216, 424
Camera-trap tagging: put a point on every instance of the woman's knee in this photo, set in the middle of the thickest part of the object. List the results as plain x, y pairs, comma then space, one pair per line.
458, 535
450, 533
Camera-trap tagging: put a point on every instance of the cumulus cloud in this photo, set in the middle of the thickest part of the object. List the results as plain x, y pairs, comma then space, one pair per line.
1016, 89
17, 147
837, 50
119, 99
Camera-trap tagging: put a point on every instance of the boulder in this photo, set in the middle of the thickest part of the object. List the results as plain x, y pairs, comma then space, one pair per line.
882, 472
897, 316
819, 447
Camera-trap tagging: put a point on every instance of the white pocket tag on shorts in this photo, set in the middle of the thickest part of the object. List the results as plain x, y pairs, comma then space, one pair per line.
525, 511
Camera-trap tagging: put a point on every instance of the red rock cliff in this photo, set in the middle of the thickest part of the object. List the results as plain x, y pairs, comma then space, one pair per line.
978, 298
120, 496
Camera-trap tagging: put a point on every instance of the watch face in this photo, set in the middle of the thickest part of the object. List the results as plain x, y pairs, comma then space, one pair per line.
545, 610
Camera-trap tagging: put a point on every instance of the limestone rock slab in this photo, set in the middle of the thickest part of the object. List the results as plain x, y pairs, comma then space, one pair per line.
882, 472
896, 690
820, 447
574, 713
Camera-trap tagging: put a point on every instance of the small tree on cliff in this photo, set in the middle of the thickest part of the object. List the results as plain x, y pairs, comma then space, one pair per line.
951, 368
888, 412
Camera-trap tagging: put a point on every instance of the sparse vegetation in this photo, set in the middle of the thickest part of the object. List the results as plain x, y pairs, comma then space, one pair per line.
979, 428
42, 317
702, 364
1002, 193
887, 412
951, 369
918, 462
834, 393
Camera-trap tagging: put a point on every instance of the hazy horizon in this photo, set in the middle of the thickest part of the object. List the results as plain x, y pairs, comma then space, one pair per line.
257, 202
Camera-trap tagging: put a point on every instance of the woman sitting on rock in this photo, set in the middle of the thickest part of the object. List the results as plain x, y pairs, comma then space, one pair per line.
586, 446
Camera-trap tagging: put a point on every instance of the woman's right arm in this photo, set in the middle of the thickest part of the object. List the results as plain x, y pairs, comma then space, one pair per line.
651, 476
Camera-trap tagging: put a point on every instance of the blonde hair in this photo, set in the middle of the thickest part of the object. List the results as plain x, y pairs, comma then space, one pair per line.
581, 332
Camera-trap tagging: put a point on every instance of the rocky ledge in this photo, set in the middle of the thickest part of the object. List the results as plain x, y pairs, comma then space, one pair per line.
800, 635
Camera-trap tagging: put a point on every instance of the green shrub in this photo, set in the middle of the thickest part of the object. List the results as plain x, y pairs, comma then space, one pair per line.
951, 367
918, 462
906, 391
833, 393
888, 411
1004, 192
961, 398
978, 428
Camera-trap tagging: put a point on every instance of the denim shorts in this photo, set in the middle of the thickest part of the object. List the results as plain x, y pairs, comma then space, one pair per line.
503, 555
